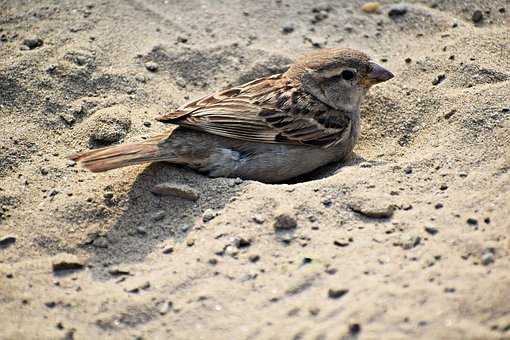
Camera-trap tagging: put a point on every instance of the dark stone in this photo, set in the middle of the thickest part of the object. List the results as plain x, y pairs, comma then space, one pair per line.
397, 10
431, 230
439, 79
33, 42
477, 16
337, 293
7, 241
285, 222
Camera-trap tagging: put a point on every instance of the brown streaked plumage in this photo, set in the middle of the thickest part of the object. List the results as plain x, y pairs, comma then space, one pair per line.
311, 110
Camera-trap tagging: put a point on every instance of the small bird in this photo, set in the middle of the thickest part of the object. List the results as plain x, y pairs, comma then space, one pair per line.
271, 129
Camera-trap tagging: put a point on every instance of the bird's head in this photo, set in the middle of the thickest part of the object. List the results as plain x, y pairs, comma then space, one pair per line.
339, 77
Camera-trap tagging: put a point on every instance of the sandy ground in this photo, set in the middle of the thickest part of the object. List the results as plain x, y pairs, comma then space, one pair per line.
410, 239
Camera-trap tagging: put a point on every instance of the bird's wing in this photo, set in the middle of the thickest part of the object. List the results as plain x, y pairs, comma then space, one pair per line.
266, 110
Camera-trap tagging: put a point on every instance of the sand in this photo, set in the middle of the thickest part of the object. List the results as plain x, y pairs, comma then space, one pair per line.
409, 239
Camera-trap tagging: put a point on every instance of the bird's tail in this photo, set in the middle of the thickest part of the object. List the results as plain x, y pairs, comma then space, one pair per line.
119, 156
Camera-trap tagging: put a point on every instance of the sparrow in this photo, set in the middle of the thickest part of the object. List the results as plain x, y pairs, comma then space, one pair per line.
271, 129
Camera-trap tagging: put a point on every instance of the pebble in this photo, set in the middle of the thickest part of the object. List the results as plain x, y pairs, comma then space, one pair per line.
168, 250
241, 242
136, 288
472, 221
397, 10
343, 242
371, 7
477, 16
431, 230
66, 262
373, 212
354, 329
208, 215
178, 190
259, 219
158, 215
33, 42
119, 271
337, 293
487, 258
439, 79
165, 307
254, 258
285, 222
409, 241
151, 66
288, 28
7, 241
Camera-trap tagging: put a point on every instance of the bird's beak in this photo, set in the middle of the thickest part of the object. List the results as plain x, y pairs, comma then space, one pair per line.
378, 74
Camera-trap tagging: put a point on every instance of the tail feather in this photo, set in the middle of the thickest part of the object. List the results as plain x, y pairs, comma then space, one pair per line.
114, 157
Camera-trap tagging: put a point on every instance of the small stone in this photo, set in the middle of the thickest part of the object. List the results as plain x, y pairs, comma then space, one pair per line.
136, 288
259, 219
438, 205
487, 258
254, 258
285, 222
443, 187
439, 79
141, 230
168, 250
472, 221
147, 123
7, 241
431, 230
208, 215
409, 242
119, 271
408, 60
213, 261
64, 262
354, 329
151, 66
373, 212
341, 242
177, 190
241, 242
33, 42
449, 114
288, 28
231, 251
371, 7
337, 293
158, 215
477, 16
397, 10
165, 307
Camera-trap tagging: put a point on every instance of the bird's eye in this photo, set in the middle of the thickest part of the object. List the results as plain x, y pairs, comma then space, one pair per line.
348, 74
